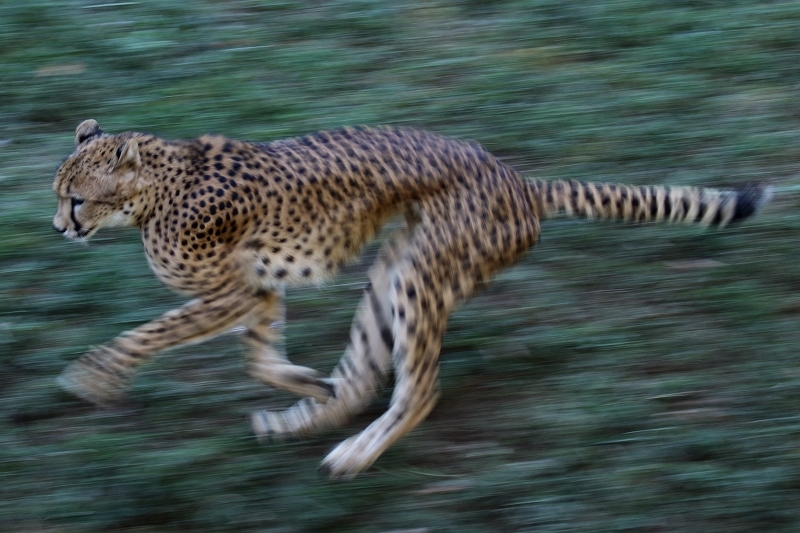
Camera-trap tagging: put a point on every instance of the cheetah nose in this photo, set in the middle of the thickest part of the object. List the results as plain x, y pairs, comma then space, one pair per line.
60, 230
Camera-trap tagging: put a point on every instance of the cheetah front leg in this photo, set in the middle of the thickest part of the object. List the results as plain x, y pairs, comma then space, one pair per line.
268, 360
101, 375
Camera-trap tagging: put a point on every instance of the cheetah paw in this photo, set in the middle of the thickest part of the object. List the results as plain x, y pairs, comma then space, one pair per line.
296, 379
90, 386
349, 458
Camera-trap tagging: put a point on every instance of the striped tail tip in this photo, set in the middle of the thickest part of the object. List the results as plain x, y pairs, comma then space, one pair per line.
750, 199
657, 203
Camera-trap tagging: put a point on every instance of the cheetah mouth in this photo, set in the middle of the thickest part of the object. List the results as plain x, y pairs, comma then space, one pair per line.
82, 235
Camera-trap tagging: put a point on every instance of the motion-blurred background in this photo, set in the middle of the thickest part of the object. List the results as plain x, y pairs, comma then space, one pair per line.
620, 378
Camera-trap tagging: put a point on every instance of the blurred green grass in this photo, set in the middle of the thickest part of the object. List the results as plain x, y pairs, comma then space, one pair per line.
619, 379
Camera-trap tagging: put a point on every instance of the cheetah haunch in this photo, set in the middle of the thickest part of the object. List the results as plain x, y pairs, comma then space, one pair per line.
232, 223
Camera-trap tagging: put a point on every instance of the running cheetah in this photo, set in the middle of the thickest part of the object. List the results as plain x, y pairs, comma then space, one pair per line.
231, 223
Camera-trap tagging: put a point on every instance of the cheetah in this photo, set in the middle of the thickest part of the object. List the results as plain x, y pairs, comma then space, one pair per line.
232, 223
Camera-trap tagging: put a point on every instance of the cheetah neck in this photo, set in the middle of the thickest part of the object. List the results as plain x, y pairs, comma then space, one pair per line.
165, 165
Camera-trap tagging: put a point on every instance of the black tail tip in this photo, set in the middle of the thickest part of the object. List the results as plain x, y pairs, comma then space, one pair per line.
750, 199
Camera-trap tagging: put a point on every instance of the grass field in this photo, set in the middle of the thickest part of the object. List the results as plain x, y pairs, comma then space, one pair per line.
620, 378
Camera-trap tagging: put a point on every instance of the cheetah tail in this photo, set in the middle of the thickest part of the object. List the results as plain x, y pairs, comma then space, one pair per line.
709, 207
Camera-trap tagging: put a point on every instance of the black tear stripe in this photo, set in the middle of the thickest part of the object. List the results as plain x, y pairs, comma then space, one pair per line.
78, 227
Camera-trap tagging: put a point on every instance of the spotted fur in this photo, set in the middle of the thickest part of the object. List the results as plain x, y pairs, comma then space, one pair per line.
231, 223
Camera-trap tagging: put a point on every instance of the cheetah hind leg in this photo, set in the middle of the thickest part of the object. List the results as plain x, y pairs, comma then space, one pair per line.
418, 335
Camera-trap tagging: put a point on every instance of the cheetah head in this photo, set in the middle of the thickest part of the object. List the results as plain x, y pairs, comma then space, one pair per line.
98, 185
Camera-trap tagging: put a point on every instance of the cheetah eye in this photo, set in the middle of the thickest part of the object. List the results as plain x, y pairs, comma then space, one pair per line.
76, 201
119, 150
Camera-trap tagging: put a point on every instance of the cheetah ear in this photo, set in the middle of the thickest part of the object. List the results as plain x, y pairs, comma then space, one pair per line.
88, 129
128, 155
